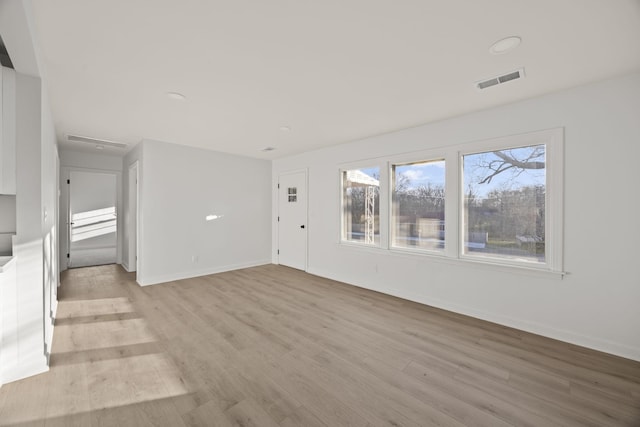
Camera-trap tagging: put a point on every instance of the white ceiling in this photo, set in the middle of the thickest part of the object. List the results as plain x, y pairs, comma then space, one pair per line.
331, 70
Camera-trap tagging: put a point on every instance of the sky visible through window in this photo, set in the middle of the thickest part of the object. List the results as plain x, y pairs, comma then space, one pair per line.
477, 167
372, 172
422, 174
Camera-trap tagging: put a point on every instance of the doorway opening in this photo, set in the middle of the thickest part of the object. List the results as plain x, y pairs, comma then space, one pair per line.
92, 219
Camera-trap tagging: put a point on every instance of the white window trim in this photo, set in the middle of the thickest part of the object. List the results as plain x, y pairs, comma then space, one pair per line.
418, 157
453, 156
554, 150
384, 201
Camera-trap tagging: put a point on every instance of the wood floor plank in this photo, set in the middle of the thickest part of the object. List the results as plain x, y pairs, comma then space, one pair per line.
208, 414
249, 414
273, 346
27, 404
73, 380
406, 408
628, 410
302, 417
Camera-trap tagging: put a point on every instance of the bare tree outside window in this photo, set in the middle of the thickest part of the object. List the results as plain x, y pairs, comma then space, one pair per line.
418, 205
504, 203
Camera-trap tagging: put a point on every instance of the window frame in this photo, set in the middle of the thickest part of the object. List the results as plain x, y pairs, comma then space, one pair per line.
422, 157
554, 188
453, 155
382, 243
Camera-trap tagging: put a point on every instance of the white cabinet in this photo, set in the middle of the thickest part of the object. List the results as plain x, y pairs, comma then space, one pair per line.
8, 316
8, 134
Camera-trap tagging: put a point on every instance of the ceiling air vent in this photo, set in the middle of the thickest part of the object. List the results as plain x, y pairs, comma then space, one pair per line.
493, 81
95, 141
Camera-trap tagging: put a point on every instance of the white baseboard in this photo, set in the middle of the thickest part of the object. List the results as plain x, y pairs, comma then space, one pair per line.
523, 325
54, 310
25, 369
154, 280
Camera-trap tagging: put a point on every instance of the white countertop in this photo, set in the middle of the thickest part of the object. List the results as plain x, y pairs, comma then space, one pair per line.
6, 262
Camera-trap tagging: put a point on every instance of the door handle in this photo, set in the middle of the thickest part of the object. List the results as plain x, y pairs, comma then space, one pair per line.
302, 226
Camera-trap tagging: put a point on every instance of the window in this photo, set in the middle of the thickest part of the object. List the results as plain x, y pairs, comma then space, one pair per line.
417, 212
292, 193
504, 203
361, 205
497, 201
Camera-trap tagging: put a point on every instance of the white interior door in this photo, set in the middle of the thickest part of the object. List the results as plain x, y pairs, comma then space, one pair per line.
92, 219
292, 220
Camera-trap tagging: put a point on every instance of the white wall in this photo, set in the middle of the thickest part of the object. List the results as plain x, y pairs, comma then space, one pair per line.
29, 300
25, 346
179, 187
596, 304
49, 195
83, 161
90, 161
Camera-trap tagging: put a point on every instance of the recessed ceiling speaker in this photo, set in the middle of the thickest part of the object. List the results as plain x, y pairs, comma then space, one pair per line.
95, 141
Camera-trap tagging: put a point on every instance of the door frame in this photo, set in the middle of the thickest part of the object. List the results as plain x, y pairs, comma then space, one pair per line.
306, 185
133, 239
64, 219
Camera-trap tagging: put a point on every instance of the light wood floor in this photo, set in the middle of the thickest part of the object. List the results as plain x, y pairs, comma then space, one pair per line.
272, 346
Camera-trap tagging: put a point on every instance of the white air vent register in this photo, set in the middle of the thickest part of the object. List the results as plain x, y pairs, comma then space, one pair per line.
493, 81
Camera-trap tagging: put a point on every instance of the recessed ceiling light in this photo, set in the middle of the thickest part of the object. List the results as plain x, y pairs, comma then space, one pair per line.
285, 128
505, 45
268, 149
176, 96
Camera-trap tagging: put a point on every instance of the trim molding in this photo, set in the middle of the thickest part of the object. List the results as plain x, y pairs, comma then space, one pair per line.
154, 280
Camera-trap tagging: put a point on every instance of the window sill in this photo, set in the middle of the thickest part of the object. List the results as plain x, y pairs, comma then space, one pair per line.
484, 264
